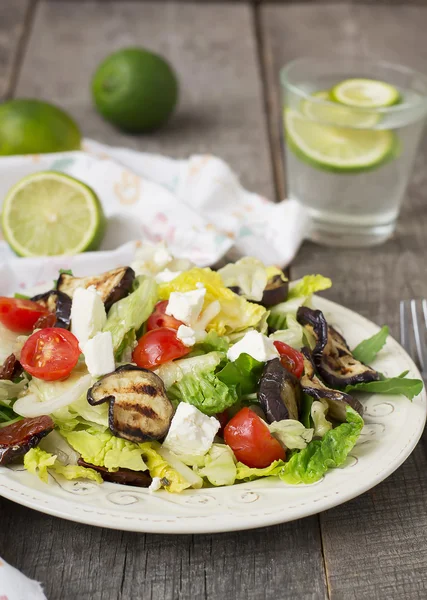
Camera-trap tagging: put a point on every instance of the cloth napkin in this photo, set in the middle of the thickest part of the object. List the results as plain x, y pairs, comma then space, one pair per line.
197, 206
15, 586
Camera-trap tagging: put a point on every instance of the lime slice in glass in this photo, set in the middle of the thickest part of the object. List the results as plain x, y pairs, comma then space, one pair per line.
365, 93
336, 148
49, 213
332, 113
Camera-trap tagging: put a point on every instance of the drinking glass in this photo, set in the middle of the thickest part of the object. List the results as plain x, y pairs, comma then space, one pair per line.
350, 165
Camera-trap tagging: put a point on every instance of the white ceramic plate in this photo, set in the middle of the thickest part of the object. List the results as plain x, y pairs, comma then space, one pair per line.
393, 428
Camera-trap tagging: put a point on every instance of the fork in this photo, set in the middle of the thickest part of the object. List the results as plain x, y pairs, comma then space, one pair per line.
412, 312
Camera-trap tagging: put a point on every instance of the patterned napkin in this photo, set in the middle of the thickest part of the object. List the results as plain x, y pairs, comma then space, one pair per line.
197, 206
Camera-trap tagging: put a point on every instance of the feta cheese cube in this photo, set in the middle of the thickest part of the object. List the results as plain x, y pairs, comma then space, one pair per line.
255, 344
166, 276
186, 306
155, 485
187, 335
191, 433
88, 315
99, 354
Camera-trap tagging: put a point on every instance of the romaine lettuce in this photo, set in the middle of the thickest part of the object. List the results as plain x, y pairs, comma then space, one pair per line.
291, 433
220, 465
37, 462
204, 391
126, 316
250, 275
242, 374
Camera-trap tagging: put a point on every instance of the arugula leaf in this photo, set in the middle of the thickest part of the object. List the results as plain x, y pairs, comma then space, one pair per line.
367, 350
390, 385
306, 403
21, 296
243, 373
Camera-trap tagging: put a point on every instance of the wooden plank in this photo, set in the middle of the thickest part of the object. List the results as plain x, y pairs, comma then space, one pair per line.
12, 24
214, 51
221, 98
374, 546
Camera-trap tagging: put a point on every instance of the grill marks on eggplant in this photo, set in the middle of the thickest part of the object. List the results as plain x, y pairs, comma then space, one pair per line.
111, 285
18, 438
314, 387
333, 358
139, 407
59, 304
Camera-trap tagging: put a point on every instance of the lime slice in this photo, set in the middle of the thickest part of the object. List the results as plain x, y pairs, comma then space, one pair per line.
365, 93
49, 213
336, 148
336, 114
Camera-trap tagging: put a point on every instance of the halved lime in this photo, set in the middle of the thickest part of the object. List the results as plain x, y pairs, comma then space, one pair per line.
337, 148
333, 113
365, 93
50, 213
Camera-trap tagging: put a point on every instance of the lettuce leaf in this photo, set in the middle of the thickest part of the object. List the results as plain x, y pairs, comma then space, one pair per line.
250, 473
250, 275
213, 342
308, 285
291, 434
37, 462
310, 464
204, 391
173, 371
242, 374
390, 385
220, 467
172, 480
367, 350
319, 408
129, 314
289, 331
236, 313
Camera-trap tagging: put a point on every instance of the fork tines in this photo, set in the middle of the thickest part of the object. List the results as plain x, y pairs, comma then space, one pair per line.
413, 328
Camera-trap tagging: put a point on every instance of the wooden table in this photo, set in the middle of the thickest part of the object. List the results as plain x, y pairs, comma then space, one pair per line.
227, 56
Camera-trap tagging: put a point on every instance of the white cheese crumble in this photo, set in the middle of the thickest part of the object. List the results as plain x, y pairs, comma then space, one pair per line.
257, 345
99, 354
191, 432
166, 276
186, 306
187, 335
155, 485
88, 315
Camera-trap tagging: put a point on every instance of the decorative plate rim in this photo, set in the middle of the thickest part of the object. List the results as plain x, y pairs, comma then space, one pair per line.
246, 505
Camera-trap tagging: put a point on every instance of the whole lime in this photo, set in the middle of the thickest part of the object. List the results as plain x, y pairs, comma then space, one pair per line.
35, 127
135, 90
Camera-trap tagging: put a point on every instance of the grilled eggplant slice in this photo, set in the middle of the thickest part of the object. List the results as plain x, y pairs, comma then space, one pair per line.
123, 476
279, 392
58, 304
337, 401
112, 285
139, 407
275, 291
334, 361
18, 438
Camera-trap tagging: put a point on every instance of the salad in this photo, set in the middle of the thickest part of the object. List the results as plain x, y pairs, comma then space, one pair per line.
166, 375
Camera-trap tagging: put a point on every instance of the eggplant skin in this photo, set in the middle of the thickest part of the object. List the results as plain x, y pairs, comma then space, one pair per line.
279, 392
58, 304
314, 387
123, 476
111, 285
334, 361
139, 407
276, 291
18, 438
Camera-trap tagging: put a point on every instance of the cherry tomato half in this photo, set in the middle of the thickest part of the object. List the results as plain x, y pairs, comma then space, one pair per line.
291, 359
20, 315
50, 353
157, 347
159, 318
251, 441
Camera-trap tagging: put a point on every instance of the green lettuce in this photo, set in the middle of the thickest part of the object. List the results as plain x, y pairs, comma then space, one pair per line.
250, 473
220, 465
250, 275
213, 342
38, 462
309, 285
289, 331
390, 385
291, 434
319, 409
127, 316
367, 350
243, 374
204, 391
173, 371
310, 464
172, 480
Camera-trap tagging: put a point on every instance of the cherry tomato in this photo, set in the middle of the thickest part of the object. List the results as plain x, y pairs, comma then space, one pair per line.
20, 315
50, 353
291, 359
251, 441
159, 318
157, 347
